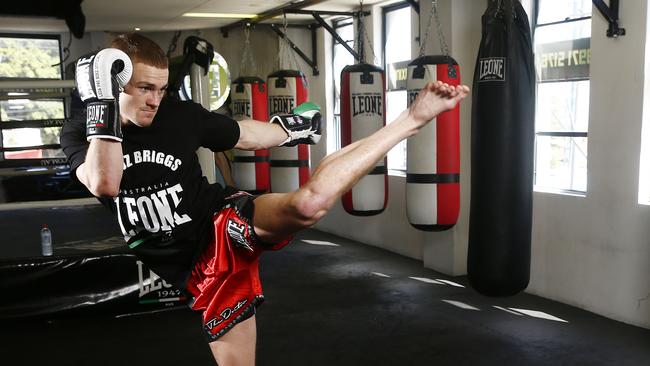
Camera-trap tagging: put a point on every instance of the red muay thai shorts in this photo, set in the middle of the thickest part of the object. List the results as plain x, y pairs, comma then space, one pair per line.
225, 280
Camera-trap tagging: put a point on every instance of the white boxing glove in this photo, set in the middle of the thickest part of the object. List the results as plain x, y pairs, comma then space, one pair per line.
100, 77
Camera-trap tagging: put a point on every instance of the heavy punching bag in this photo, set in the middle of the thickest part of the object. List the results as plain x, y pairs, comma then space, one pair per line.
433, 155
503, 136
289, 165
363, 112
250, 169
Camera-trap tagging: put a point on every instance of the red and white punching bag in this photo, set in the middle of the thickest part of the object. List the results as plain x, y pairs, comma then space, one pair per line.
250, 169
289, 165
433, 155
363, 112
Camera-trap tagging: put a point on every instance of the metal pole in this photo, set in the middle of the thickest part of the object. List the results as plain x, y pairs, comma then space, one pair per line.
331, 31
201, 95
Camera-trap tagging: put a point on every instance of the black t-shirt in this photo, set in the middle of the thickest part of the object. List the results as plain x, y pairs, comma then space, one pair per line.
165, 205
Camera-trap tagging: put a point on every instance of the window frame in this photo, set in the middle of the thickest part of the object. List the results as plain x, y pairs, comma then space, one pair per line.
337, 24
384, 39
552, 133
384, 11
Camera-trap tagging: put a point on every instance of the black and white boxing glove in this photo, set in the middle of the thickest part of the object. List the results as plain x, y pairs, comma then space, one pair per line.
303, 125
100, 77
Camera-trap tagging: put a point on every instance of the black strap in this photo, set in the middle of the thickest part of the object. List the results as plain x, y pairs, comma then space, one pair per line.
378, 170
289, 163
250, 159
432, 178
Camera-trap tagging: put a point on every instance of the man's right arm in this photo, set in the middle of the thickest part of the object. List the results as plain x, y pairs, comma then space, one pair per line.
100, 77
101, 173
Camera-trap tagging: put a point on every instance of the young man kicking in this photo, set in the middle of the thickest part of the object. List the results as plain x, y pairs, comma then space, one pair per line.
136, 152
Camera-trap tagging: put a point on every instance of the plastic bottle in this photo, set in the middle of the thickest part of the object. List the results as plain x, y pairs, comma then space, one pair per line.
46, 241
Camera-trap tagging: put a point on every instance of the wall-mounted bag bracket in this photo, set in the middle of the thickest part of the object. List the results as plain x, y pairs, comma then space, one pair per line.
611, 15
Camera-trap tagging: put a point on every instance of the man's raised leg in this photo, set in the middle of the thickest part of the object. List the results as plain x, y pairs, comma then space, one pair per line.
278, 215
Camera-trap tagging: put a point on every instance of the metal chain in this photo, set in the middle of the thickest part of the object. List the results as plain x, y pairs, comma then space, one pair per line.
288, 47
372, 50
295, 59
423, 41
441, 38
357, 44
443, 44
282, 52
362, 25
247, 56
286, 53
172, 44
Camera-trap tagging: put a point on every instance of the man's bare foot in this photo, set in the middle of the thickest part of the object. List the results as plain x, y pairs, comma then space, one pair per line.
436, 97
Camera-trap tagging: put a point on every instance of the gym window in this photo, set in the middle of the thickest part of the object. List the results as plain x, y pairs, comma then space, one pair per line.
340, 59
396, 21
562, 57
30, 57
32, 164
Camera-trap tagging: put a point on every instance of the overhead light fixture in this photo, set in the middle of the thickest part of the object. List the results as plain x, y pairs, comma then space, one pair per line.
137, 29
219, 15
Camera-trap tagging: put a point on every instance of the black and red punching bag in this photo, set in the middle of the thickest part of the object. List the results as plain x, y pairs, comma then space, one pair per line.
363, 111
503, 136
250, 169
289, 165
433, 155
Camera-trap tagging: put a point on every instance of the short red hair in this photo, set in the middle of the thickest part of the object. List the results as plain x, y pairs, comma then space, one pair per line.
141, 49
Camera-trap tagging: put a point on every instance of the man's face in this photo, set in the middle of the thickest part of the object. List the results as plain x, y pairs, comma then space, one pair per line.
142, 95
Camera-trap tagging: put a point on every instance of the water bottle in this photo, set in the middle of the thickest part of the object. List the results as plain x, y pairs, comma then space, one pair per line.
46, 241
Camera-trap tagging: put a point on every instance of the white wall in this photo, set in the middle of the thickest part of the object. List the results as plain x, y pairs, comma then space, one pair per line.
594, 251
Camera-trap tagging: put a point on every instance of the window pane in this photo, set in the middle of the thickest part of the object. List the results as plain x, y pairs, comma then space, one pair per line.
563, 32
29, 58
563, 56
397, 48
395, 104
19, 137
558, 10
398, 35
27, 109
563, 107
561, 163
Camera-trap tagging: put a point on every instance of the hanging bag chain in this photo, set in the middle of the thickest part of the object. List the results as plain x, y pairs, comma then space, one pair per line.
366, 38
441, 39
247, 56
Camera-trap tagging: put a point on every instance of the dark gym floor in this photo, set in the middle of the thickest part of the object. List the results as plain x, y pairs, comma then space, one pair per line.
331, 301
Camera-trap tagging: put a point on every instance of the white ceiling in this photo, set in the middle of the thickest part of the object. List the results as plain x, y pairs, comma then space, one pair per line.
165, 15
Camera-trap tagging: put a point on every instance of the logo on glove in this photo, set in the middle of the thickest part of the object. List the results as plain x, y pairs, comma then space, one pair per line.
96, 115
292, 120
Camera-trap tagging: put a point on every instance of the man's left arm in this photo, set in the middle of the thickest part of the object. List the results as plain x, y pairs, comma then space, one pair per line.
256, 135
301, 126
